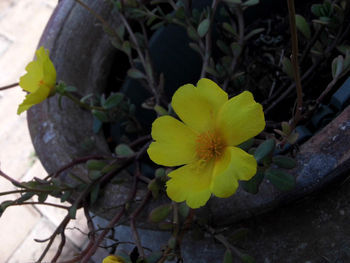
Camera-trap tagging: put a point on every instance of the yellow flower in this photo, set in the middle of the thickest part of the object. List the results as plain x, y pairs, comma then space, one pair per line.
112, 259
40, 80
205, 142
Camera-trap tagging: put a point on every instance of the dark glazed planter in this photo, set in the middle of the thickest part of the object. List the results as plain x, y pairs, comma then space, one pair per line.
83, 57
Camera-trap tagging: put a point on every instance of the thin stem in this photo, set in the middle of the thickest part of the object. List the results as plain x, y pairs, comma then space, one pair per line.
296, 72
76, 162
14, 181
101, 19
150, 78
224, 241
208, 41
58, 230
140, 140
90, 223
133, 216
13, 192
38, 203
60, 248
100, 238
310, 44
82, 104
330, 86
9, 86
292, 87
240, 18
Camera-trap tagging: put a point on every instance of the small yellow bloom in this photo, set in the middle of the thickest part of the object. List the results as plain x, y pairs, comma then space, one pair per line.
40, 80
112, 259
204, 143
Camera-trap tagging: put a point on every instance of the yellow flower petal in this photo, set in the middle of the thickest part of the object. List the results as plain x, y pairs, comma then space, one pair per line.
197, 106
49, 72
29, 82
112, 259
234, 165
40, 80
240, 119
191, 183
32, 99
174, 142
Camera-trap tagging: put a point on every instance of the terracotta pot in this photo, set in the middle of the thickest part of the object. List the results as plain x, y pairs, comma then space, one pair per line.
83, 57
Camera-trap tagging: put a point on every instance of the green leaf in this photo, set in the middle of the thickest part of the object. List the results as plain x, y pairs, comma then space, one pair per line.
120, 30
236, 49
172, 242
42, 197
284, 162
160, 173
253, 32
70, 89
337, 66
100, 115
124, 150
154, 187
73, 211
154, 257
195, 47
160, 213
110, 167
316, 9
288, 67
250, 3
94, 193
4, 205
239, 235
126, 47
113, 100
136, 74
233, 1
95, 164
247, 144
252, 186
86, 97
94, 174
223, 47
158, 25
264, 149
203, 27
160, 110
192, 33
165, 226
343, 48
247, 259
184, 210
25, 197
286, 129
229, 28
65, 196
293, 137
303, 26
96, 125
280, 179
228, 258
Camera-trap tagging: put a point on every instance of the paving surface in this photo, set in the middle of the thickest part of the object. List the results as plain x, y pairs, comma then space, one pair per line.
21, 24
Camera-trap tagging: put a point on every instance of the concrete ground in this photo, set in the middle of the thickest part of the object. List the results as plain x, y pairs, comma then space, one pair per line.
21, 24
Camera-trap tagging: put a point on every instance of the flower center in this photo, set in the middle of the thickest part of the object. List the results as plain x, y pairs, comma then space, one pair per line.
42, 85
209, 145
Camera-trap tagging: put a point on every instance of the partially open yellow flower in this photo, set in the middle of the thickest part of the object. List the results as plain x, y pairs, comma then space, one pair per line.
204, 143
40, 80
112, 259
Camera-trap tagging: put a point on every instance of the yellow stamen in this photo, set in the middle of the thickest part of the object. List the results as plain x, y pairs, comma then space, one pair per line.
209, 145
